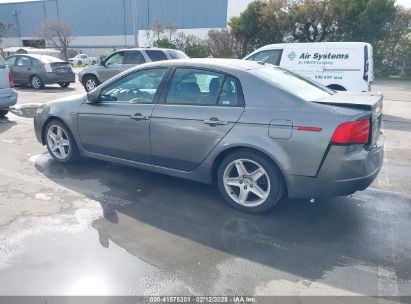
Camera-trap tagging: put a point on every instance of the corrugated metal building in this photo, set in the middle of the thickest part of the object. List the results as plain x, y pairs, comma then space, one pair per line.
113, 23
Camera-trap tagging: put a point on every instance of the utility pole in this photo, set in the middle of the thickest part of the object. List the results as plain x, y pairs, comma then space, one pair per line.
135, 23
16, 14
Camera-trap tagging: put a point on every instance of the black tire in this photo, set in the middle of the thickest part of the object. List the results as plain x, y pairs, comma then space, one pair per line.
79, 62
93, 62
72, 152
88, 80
64, 84
276, 180
3, 113
36, 82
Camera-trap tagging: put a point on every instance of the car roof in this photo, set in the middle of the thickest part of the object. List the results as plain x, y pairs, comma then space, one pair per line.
147, 49
211, 63
42, 58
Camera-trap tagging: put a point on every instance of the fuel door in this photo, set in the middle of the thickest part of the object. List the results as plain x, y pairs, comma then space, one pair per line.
280, 129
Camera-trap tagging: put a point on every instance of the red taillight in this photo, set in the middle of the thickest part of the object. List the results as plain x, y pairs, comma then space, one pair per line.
11, 80
353, 132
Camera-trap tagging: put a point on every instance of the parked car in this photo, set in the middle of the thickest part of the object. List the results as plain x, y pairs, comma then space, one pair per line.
122, 60
81, 59
259, 131
38, 70
8, 97
341, 66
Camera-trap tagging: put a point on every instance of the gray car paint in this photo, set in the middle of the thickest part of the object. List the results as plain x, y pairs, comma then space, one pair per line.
311, 167
8, 96
22, 74
103, 72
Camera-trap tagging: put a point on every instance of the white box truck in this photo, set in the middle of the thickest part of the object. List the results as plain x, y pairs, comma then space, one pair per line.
342, 66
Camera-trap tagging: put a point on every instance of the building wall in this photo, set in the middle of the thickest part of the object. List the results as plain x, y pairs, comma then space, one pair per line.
113, 18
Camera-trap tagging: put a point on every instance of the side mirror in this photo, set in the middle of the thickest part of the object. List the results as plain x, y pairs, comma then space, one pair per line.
93, 96
102, 63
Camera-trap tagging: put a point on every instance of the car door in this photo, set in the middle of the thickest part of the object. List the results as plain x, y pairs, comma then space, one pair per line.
196, 111
112, 66
22, 69
118, 125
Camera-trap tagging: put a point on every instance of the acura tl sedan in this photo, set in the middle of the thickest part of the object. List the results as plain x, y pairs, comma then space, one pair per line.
258, 131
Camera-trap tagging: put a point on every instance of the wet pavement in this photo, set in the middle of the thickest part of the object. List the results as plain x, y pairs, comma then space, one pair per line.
95, 228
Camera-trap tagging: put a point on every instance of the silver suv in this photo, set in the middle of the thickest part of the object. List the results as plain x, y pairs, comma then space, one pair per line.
8, 97
122, 60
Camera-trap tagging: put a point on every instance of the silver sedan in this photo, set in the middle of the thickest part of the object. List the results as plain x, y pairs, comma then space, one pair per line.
259, 132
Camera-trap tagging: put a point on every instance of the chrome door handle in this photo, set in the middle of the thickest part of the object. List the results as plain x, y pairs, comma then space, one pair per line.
139, 116
215, 121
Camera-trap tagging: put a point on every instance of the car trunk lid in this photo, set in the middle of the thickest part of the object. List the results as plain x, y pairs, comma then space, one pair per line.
367, 101
61, 67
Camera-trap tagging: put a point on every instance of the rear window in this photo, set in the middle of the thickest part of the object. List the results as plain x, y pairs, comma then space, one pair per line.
175, 54
292, 83
48, 59
156, 55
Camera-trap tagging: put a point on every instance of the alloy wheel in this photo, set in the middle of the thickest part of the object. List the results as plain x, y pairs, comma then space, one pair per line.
58, 142
90, 84
36, 82
246, 182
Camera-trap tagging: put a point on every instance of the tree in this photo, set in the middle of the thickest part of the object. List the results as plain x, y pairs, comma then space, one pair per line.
362, 20
196, 48
312, 20
247, 29
221, 43
58, 33
4, 29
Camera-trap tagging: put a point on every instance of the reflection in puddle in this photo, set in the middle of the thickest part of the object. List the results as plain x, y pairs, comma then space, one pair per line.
25, 110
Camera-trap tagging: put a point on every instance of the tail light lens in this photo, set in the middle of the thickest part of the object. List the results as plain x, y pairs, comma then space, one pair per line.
11, 80
353, 132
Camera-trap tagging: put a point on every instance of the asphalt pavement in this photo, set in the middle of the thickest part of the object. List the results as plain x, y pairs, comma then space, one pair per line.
96, 228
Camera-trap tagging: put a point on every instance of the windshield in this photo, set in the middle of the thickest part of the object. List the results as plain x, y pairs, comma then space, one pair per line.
293, 83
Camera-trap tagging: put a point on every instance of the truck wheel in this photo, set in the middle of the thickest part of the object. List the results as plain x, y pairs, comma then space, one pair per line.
64, 84
36, 82
79, 62
93, 62
90, 82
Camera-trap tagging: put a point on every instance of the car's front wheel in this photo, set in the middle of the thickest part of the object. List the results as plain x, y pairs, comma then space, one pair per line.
36, 82
249, 181
60, 142
64, 84
90, 82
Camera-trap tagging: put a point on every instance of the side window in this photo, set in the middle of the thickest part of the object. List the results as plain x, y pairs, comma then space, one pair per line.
139, 87
156, 55
192, 86
229, 93
117, 58
134, 57
22, 60
10, 61
270, 56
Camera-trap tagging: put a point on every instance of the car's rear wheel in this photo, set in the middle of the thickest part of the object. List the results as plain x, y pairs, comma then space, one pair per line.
64, 84
249, 181
3, 113
90, 82
36, 82
60, 142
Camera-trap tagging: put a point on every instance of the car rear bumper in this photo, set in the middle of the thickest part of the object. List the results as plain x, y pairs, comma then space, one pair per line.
50, 78
345, 170
8, 101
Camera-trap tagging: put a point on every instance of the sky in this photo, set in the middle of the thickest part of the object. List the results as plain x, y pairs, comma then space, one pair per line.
406, 3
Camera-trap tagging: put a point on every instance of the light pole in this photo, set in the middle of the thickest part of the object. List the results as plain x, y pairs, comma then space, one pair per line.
16, 14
